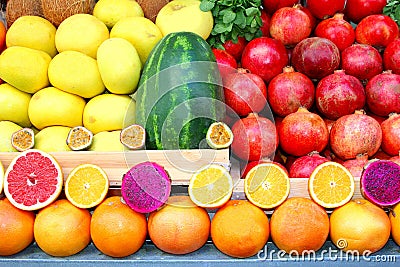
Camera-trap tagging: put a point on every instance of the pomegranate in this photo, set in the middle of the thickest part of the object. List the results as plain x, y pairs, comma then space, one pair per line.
290, 25
356, 166
383, 93
265, 57
356, 10
323, 9
377, 30
266, 21
339, 94
396, 159
362, 61
391, 135
312, 18
379, 119
245, 92
303, 132
338, 30
391, 56
270, 6
355, 134
235, 48
255, 137
290, 90
381, 154
316, 57
226, 62
303, 166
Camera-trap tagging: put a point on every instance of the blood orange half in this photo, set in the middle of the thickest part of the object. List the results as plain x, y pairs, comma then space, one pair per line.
33, 180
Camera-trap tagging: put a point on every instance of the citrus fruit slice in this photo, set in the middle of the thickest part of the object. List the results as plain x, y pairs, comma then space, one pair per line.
1, 177
331, 185
267, 185
33, 180
79, 138
133, 137
211, 186
86, 186
23, 139
219, 135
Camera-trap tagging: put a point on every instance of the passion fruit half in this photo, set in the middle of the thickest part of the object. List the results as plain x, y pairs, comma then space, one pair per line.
133, 137
79, 138
219, 135
23, 139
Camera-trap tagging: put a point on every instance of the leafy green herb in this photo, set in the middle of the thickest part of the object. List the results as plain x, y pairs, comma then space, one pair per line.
392, 9
233, 18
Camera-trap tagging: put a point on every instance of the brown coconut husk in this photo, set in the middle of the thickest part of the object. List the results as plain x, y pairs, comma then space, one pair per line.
152, 7
18, 8
56, 11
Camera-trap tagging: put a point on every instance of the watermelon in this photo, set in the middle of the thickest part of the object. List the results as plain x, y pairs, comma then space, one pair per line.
180, 93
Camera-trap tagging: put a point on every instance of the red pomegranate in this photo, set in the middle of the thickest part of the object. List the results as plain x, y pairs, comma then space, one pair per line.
396, 159
323, 9
303, 132
255, 137
290, 25
290, 90
379, 119
381, 154
338, 30
362, 61
245, 92
270, 6
226, 62
303, 166
355, 134
235, 48
391, 135
377, 30
356, 166
383, 93
316, 57
312, 18
339, 94
266, 21
356, 10
391, 57
265, 57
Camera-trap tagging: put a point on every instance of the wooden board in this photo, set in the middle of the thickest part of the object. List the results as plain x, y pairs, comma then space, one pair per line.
180, 164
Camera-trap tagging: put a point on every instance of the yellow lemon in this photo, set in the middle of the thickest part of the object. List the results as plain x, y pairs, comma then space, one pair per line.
76, 73
119, 65
111, 11
107, 141
33, 32
52, 139
81, 32
14, 105
145, 36
109, 112
25, 68
185, 15
7, 128
52, 106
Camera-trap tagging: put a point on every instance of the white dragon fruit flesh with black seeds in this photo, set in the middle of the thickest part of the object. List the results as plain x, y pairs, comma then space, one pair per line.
380, 183
146, 187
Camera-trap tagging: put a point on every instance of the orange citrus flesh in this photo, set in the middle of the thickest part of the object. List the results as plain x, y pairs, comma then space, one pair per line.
211, 186
86, 186
267, 185
331, 185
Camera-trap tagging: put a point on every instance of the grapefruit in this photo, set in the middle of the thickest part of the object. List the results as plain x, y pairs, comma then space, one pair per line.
33, 180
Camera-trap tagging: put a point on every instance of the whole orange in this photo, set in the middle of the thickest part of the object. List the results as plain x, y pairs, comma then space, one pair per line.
179, 227
16, 228
240, 229
116, 229
394, 217
61, 229
299, 225
359, 226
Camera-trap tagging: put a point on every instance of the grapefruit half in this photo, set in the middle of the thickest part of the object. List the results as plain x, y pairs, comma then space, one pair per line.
33, 180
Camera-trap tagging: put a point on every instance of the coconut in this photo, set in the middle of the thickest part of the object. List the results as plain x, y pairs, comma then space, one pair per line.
18, 8
58, 10
152, 7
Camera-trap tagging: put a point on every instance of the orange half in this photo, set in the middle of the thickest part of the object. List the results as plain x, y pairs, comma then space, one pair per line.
267, 185
331, 185
86, 186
